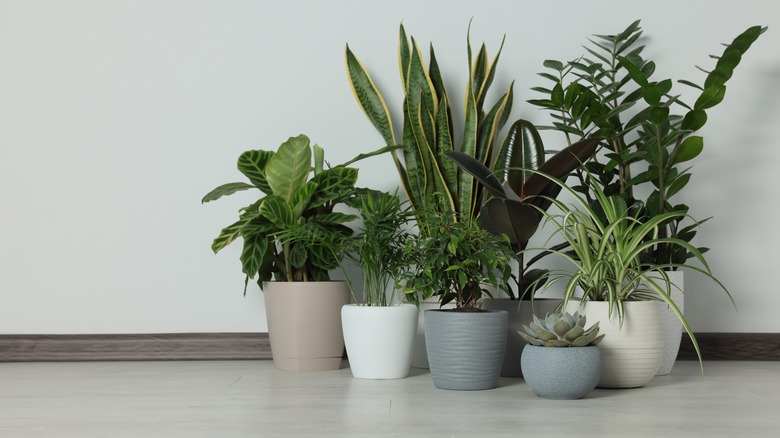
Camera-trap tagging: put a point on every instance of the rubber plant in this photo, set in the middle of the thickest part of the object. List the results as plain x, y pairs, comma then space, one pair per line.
291, 233
610, 93
430, 181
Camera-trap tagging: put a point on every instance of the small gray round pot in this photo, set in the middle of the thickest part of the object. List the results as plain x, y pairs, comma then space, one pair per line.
465, 349
561, 373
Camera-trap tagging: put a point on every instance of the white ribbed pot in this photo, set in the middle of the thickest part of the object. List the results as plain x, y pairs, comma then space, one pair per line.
379, 339
304, 324
521, 312
673, 328
631, 353
419, 352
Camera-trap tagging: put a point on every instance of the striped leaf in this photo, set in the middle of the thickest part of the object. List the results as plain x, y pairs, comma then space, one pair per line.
444, 145
289, 168
226, 189
403, 54
466, 181
370, 99
334, 218
228, 235
302, 197
415, 170
252, 165
332, 184
252, 255
491, 74
278, 212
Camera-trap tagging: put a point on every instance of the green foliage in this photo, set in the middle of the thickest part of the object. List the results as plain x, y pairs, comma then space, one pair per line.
379, 246
431, 182
607, 240
291, 233
561, 330
610, 93
454, 260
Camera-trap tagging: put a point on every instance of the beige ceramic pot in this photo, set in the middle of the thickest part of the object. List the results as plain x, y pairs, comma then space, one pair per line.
631, 353
304, 324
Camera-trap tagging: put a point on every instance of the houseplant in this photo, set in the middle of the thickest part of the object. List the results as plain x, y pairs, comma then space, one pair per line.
514, 210
562, 360
610, 283
291, 238
455, 260
609, 92
378, 331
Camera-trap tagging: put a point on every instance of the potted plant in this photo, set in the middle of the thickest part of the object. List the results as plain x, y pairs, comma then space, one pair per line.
292, 239
609, 92
610, 283
455, 261
561, 360
378, 330
514, 211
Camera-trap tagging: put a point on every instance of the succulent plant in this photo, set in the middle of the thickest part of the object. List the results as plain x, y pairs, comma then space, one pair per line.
561, 330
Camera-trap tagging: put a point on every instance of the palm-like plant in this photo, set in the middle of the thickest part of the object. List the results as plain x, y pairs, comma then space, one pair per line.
379, 246
606, 242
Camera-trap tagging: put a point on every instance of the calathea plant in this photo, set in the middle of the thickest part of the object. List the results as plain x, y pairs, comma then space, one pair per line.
645, 127
291, 233
432, 182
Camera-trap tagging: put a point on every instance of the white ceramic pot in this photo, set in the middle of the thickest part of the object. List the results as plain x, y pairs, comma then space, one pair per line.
673, 328
379, 339
631, 353
419, 352
304, 324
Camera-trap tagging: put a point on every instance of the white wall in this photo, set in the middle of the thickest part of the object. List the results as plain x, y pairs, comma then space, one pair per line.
117, 116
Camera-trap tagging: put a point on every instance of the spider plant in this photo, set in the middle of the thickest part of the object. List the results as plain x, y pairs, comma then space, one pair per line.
606, 242
379, 245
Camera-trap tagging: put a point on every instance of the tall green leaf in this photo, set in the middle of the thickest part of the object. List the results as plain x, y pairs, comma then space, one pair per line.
290, 167
371, 101
226, 189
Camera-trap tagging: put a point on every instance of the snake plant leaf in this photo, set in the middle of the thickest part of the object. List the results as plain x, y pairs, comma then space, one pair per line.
479, 72
560, 165
226, 189
403, 53
522, 149
435, 74
478, 171
466, 185
415, 170
689, 149
444, 138
491, 74
252, 164
515, 219
371, 101
290, 167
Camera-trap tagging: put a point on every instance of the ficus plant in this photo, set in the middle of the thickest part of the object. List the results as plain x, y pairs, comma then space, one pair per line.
647, 130
431, 181
518, 195
455, 261
291, 233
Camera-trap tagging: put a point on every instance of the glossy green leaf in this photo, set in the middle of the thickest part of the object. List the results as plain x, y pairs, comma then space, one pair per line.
515, 219
677, 185
278, 212
522, 150
710, 97
689, 149
694, 120
478, 171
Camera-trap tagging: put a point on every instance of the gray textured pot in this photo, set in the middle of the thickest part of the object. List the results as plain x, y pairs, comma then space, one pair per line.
465, 349
565, 373
521, 312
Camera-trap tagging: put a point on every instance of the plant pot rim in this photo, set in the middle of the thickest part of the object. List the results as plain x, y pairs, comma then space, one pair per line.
456, 312
393, 306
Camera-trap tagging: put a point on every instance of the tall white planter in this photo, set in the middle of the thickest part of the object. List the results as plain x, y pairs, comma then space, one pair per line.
379, 339
631, 353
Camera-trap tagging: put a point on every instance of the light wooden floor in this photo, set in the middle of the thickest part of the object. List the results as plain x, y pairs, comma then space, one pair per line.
251, 398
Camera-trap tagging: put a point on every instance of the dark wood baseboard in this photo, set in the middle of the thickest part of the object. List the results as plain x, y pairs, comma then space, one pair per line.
732, 346
254, 346
135, 347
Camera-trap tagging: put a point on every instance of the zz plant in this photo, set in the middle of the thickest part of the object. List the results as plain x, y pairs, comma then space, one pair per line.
291, 233
610, 92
